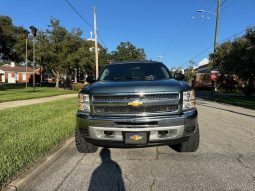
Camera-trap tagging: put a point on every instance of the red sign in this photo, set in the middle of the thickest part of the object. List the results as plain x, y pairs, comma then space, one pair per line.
214, 76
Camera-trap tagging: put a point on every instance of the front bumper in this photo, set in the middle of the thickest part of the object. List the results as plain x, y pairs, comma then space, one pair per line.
110, 131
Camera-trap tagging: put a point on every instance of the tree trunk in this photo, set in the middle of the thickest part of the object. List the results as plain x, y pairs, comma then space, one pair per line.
57, 79
41, 75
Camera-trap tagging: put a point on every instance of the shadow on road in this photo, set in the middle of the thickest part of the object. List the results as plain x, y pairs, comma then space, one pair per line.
108, 175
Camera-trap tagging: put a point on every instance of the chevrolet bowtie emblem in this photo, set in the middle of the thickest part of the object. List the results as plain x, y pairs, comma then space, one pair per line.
135, 103
136, 137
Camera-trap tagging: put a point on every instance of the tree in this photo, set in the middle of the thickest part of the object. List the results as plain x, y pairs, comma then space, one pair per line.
56, 35
237, 58
127, 51
103, 58
190, 74
12, 40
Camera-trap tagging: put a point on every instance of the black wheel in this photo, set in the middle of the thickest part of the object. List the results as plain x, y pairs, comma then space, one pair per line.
82, 145
191, 145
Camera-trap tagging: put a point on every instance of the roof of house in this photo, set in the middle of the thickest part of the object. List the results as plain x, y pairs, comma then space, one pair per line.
91, 43
16, 69
203, 62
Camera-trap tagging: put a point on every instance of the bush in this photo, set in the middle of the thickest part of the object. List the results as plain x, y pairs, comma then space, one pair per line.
248, 91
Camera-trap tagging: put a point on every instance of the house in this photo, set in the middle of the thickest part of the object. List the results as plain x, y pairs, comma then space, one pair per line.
91, 42
203, 74
15, 74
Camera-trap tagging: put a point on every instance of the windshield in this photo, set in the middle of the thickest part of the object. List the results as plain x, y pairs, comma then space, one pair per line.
135, 71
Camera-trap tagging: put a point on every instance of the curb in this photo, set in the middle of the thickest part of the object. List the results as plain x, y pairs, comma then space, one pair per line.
47, 161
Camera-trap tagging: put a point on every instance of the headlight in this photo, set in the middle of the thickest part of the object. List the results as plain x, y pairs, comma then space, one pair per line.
189, 100
83, 102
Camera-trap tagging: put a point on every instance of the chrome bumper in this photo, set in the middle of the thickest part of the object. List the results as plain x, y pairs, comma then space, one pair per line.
177, 126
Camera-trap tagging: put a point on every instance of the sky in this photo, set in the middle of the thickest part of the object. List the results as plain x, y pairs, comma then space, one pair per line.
170, 30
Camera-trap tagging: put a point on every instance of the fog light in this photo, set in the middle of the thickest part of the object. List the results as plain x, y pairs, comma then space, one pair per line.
162, 133
109, 133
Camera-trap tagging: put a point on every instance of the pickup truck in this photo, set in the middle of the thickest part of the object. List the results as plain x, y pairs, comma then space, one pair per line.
136, 104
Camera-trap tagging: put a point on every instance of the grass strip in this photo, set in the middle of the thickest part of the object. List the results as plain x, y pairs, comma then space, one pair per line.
29, 132
238, 101
22, 94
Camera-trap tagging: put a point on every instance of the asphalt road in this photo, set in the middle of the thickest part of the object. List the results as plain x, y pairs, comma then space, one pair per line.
225, 160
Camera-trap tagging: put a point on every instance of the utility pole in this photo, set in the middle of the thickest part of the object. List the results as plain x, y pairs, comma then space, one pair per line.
34, 63
95, 36
26, 33
217, 26
214, 87
34, 32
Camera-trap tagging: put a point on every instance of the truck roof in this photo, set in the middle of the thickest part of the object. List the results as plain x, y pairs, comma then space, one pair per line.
135, 61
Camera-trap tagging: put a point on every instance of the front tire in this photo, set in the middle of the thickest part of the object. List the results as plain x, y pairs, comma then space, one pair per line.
82, 145
191, 145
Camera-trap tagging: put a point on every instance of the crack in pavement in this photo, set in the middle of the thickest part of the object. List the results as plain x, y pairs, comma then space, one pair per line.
126, 176
68, 174
239, 159
153, 180
152, 184
157, 153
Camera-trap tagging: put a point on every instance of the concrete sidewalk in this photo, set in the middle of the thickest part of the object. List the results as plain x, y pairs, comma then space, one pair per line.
11, 104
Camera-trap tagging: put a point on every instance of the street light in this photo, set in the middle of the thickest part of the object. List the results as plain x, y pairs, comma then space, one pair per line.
216, 28
204, 11
33, 31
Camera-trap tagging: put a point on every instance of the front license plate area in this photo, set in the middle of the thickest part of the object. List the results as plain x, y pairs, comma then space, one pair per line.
137, 138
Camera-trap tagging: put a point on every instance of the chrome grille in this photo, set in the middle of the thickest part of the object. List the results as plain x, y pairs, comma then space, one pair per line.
135, 110
113, 98
152, 103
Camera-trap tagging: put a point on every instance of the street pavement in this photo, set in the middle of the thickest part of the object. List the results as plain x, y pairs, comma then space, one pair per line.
12, 104
225, 160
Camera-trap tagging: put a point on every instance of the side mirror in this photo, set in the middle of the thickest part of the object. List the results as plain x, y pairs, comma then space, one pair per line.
90, 79
179, 76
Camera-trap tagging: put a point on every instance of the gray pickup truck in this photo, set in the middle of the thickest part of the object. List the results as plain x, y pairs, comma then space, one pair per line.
136, 104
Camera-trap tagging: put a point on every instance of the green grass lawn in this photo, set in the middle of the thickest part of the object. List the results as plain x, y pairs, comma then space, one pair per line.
239, 101
13, 94
29, 132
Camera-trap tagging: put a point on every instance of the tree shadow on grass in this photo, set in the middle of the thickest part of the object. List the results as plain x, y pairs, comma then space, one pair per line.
107, 176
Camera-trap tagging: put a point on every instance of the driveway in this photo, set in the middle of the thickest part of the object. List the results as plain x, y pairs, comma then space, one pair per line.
225, 160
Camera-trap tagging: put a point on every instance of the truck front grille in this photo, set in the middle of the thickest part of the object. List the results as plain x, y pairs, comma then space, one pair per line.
135, 110
113, 98
152, 103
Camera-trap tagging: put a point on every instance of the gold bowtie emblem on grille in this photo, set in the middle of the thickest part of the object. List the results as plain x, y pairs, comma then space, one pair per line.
136, 137
135, 103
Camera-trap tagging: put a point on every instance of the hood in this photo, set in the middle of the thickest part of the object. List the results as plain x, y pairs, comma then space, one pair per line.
103, 87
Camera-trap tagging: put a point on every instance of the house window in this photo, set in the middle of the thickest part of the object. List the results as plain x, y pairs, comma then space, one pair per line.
13, 75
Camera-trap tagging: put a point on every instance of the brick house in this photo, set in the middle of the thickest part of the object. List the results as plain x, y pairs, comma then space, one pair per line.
203, 74
15, 74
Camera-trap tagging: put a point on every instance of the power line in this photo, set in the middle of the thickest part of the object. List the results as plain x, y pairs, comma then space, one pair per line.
231, 3
208, 48
79, 14
192, 37
90, 25
185, 28
211, 5
193, 31
223, 3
